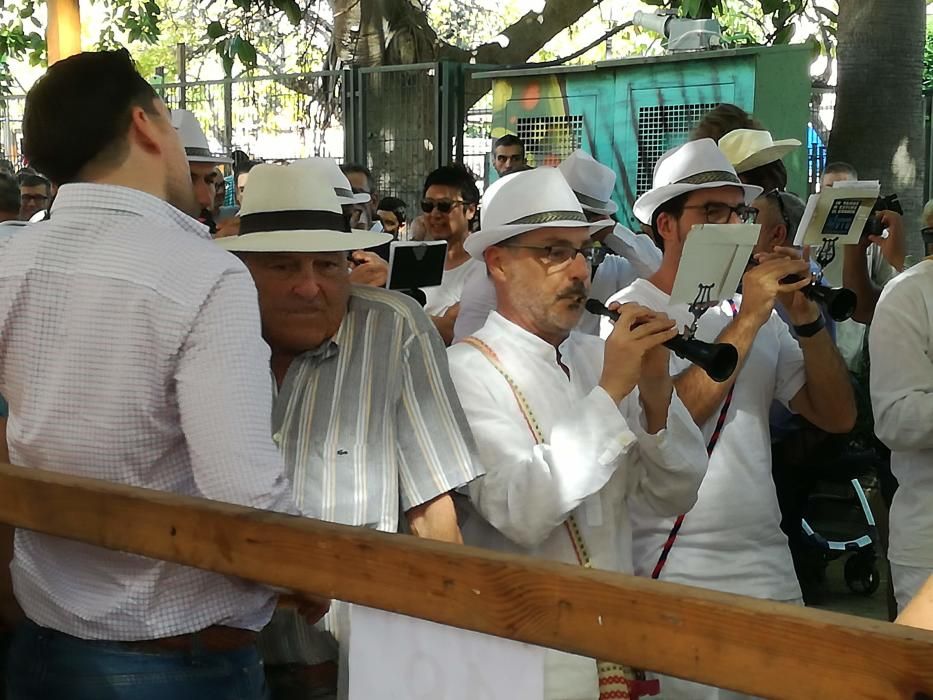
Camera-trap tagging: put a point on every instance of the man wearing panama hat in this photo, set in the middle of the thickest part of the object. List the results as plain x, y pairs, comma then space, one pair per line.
628, 256
570, 428
365, 412
731, 540
201, 161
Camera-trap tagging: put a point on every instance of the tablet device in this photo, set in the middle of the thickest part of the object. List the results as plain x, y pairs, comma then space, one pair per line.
416, 264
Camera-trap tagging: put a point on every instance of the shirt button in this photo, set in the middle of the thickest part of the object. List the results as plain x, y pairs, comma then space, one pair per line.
277, 438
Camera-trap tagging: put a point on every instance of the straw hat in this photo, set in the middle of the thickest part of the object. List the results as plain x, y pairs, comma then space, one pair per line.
287, 209
338, 180
527, 201
696, 165
591, 181
748, 149
192, 137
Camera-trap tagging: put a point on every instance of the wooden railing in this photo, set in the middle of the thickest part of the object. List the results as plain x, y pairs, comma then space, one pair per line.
757, 647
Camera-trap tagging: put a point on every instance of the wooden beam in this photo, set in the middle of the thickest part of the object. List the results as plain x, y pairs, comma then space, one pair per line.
63, 33
752, 646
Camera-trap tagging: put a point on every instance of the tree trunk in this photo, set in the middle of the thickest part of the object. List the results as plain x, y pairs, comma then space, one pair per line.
878, 123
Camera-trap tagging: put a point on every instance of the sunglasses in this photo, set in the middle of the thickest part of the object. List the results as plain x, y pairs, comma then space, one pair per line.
444, 206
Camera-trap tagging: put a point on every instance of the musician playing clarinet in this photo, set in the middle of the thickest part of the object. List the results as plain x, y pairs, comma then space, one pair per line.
571, 429
731, 540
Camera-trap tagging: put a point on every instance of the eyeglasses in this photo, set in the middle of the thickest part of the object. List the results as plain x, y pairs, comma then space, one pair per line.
776, 195
444, 206
560, 254
721, 213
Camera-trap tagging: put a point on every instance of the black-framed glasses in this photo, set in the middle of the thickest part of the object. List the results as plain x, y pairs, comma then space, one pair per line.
444, 206
776, 195
721, 213
560, 254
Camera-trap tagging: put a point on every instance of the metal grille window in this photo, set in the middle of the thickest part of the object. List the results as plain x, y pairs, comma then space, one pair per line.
550, 139
661, 128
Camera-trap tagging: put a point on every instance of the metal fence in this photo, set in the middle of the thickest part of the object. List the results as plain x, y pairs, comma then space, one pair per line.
283, 116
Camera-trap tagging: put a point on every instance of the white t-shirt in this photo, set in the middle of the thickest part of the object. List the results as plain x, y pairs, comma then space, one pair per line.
450, 291
731, 540
901, 347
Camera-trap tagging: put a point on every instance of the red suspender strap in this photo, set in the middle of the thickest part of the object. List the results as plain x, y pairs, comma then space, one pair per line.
717, 431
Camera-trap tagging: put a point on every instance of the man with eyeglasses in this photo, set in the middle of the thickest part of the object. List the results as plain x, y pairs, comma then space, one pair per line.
449, 202
731, 540
571, 429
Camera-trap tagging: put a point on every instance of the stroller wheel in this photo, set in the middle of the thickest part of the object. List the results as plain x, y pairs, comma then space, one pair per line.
862, 575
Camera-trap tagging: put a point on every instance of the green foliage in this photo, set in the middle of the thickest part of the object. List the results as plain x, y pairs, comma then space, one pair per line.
928, 60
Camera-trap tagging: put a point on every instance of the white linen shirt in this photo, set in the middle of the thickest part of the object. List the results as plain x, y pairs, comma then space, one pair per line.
596, 457
130, 351
731, 540
901, 347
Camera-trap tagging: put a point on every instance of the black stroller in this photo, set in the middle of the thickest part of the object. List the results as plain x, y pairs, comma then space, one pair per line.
838, 520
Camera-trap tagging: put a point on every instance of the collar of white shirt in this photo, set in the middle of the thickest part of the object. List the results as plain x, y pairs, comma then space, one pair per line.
83, 196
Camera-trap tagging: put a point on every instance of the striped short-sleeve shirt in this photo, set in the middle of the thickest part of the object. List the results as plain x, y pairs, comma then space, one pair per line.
370, 426
370, 421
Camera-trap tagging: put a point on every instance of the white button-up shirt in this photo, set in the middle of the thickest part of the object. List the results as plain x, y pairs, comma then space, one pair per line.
130, 351
596, 456
901, 345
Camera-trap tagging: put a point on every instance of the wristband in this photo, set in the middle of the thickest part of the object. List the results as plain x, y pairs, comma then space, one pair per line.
808, 330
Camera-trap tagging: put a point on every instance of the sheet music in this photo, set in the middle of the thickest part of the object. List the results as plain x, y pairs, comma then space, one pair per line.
714, 259
394, 657
839, 212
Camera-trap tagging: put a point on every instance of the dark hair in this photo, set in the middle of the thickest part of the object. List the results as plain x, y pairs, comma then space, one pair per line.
454, 175
9, 194
6, 166
672, 207
770, 176
35, 180
839, 167
349, 168
79, 113
720, 120
394, 205
509, 140
245, 168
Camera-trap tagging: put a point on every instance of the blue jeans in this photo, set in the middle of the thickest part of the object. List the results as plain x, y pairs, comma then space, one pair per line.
48, 665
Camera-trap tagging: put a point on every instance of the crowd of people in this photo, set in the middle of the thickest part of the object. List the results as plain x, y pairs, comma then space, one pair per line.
220, 327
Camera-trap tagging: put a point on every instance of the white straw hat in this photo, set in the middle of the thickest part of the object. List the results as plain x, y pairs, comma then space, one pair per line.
194, 140
527, 201
338, 181
291, 209
591, 181
748, 149
695, 165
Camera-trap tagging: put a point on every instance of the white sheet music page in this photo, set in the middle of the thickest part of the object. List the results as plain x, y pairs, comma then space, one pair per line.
394, 657
714, 259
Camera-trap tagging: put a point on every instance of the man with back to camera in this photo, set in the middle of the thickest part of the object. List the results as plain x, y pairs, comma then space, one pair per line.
127, 336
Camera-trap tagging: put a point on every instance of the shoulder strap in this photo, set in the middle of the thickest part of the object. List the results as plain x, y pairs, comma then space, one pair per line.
576, 537
714, 439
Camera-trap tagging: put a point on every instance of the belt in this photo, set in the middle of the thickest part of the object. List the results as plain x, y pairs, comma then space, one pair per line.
216, 638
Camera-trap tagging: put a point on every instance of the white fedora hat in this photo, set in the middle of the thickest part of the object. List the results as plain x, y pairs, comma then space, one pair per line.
194, 140
289, 209
695, 165
748, 149
338, 180
527, 201
591, 181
